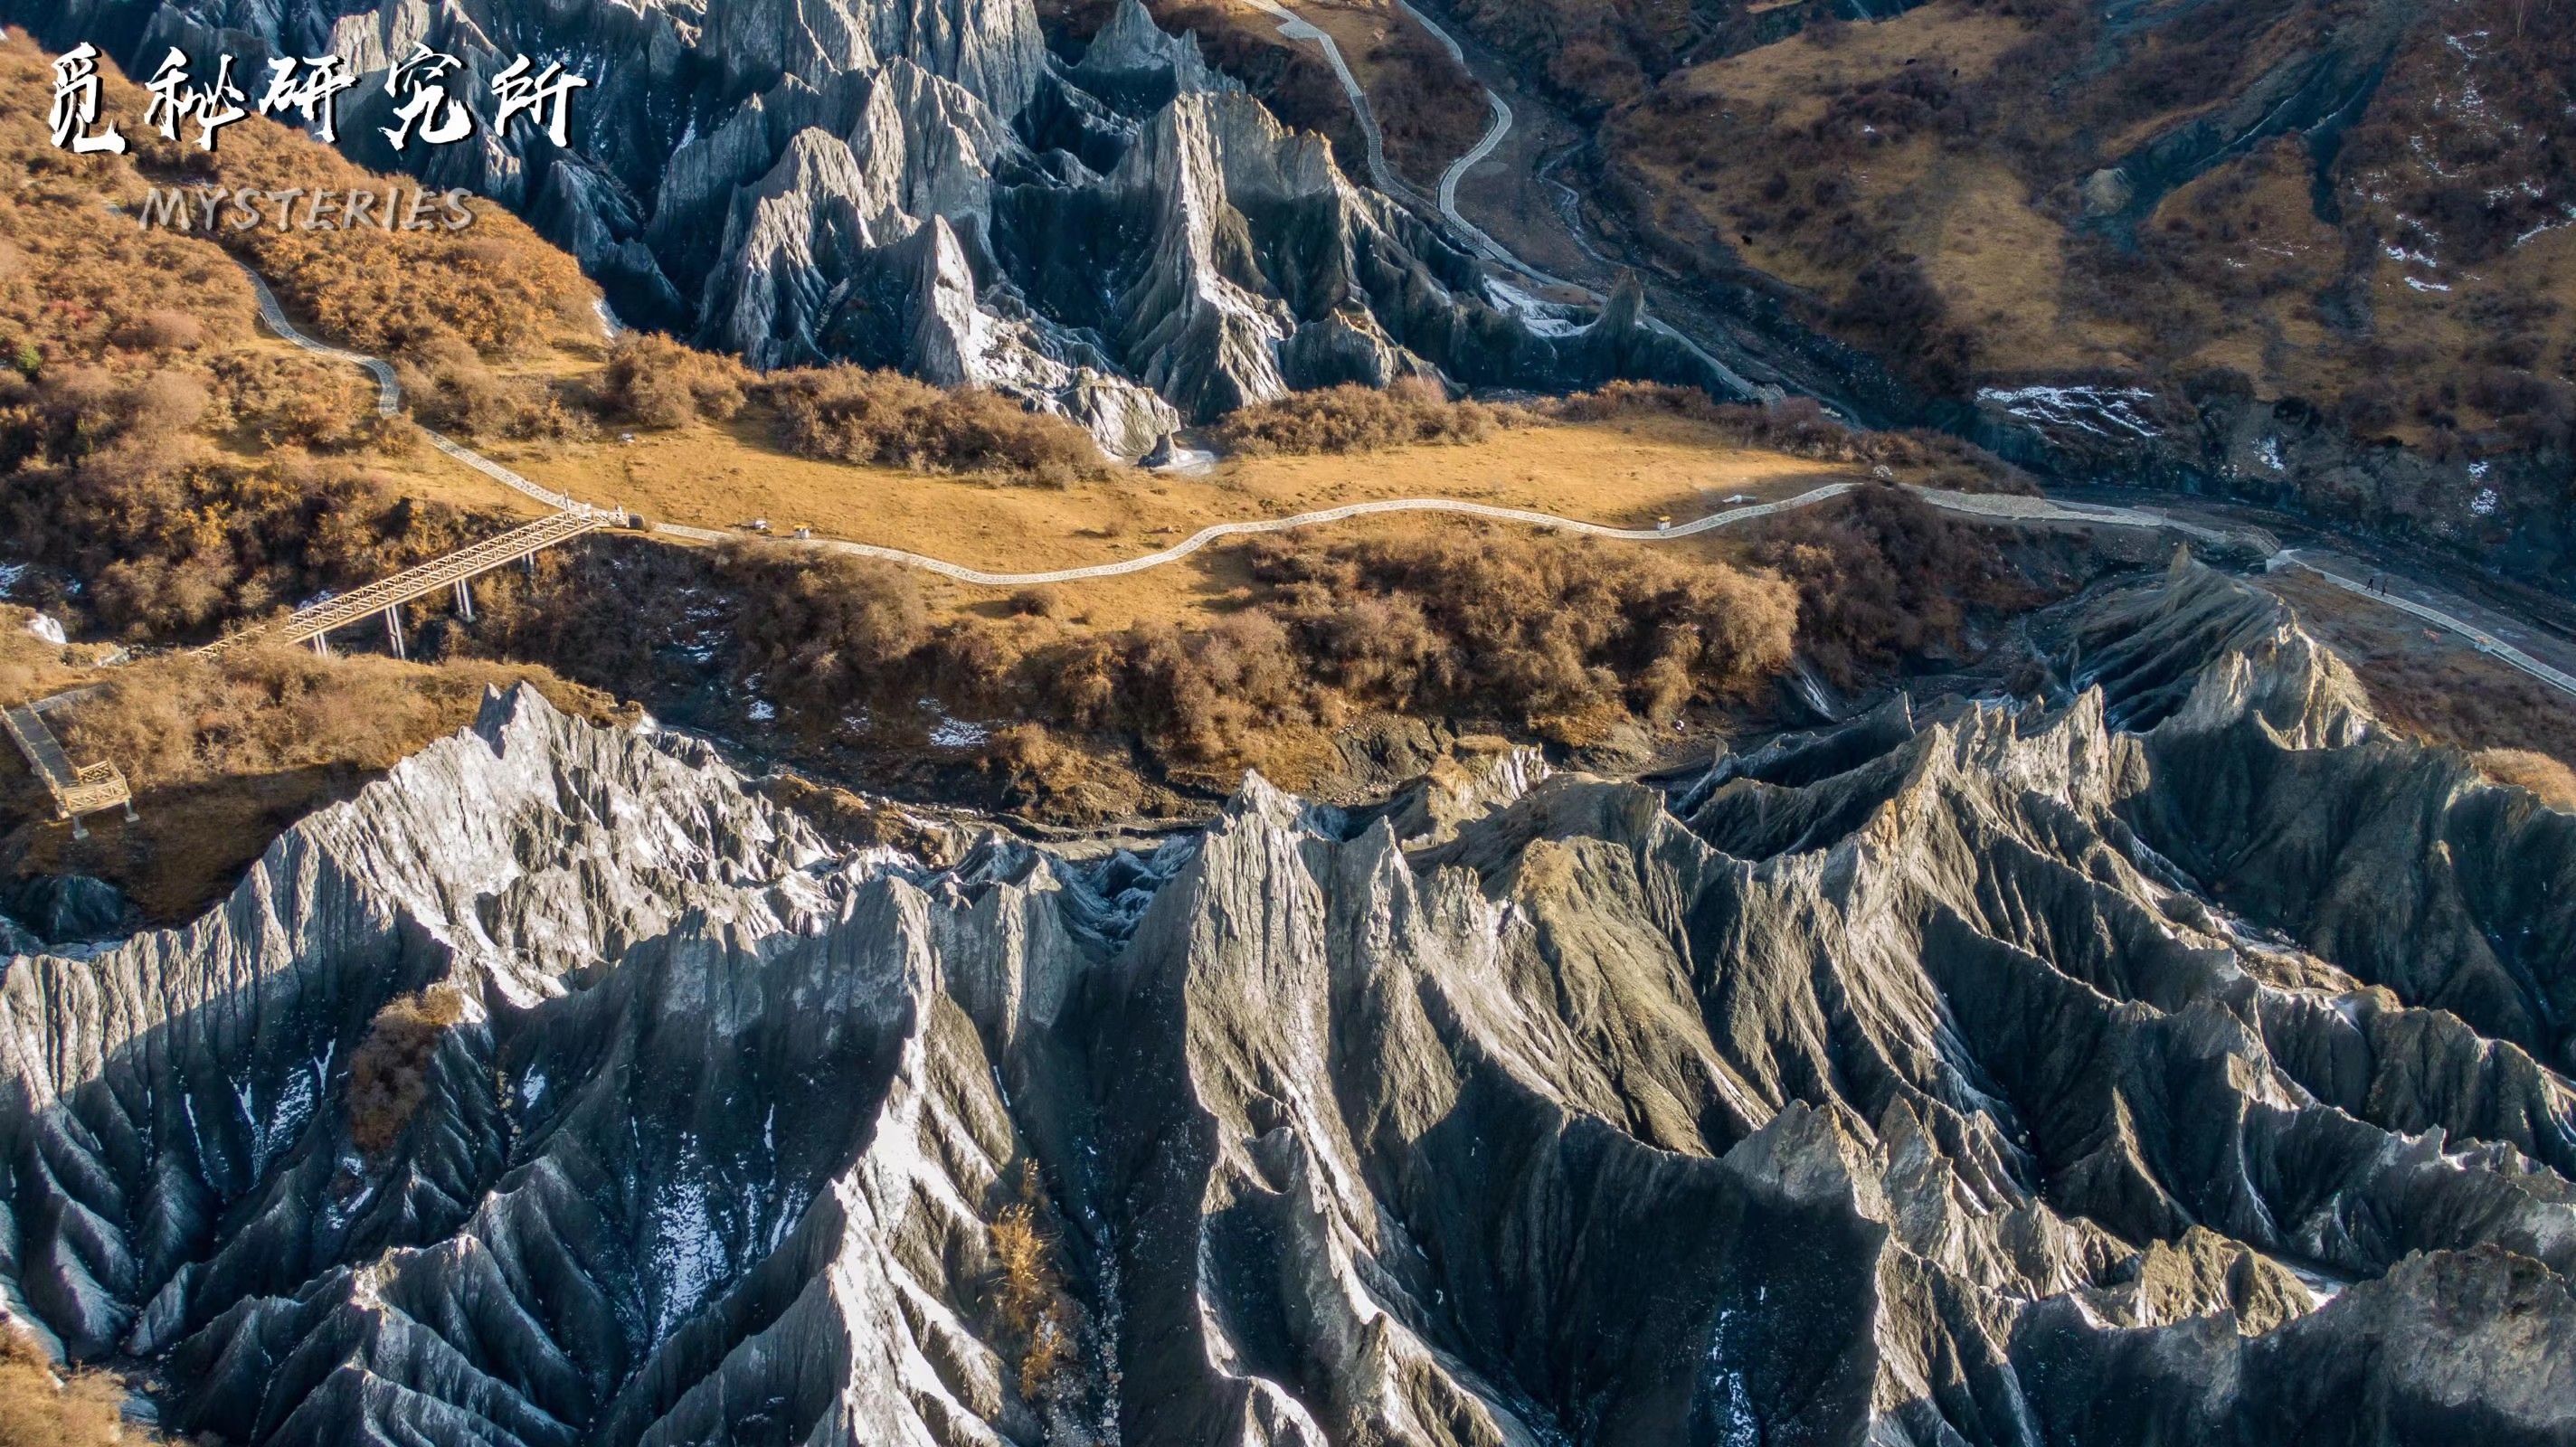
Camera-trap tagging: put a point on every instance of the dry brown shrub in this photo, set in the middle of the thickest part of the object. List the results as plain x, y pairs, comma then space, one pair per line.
2551, 780
655, 381
1028, 1292
1566, 634
297, 401
1882, 577
822, 630
162, 330
450, 388
853, 414
1431, 109
178, 720
225, 755
389, 1071
1353, 418
1034, 770
175, 539
41, 1406
1036, 603
30, 667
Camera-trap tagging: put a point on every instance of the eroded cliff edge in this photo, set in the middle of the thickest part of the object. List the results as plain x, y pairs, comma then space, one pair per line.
2181, 1061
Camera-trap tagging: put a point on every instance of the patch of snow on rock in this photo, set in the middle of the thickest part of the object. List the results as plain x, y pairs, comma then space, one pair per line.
2101, 411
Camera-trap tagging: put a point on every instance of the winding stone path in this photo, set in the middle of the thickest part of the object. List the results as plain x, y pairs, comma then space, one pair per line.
389, 398
1994, 507
2485, 641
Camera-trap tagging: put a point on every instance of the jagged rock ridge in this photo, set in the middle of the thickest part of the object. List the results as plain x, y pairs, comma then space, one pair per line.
1129, 240
1970, 1073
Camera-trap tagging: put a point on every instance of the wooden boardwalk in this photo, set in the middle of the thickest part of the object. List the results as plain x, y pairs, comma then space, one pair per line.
76, 789
382, 596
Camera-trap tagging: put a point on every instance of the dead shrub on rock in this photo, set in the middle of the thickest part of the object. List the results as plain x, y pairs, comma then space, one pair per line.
44, 1406
389, 1071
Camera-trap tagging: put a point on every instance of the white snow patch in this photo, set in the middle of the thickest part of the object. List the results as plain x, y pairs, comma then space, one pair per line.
957, 733
1544, 319
2486, 502
47, 627
2101, 411
688, 1257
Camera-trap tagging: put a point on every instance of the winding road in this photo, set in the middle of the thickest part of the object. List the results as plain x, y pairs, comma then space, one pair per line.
389, 399
1445, 204
1991, 507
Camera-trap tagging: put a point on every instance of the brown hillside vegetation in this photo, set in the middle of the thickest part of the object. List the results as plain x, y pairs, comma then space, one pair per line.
152, 447
1594, 53
2553, 781
1886, 578
223, 755
843, 414
1353, 418
1029, 1295
1924, 179
42, 1407
495, 285
847, 663
1417, 412
119, 477
851, 414
1560, 638
2423, 683
653, 381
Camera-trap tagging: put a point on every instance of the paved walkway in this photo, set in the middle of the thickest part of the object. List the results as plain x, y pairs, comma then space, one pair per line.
2416, 600
389, 398
1991, 506
1477, 239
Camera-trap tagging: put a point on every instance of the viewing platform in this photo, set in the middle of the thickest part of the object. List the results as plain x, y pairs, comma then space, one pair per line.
76, 789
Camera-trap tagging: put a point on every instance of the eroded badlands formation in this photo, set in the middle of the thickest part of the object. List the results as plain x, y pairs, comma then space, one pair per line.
2177, 1061
1126, 238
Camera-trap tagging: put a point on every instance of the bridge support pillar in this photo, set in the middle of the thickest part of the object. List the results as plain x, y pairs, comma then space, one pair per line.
465, 599
321, 643
393, 630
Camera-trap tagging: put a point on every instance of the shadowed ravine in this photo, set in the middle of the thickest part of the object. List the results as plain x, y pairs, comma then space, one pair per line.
2180, 1061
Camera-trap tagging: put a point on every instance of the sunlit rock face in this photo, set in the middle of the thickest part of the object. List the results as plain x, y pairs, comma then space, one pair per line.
1126, 239
2178, 1062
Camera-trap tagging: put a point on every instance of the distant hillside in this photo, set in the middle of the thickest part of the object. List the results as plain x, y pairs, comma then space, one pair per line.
2324, 249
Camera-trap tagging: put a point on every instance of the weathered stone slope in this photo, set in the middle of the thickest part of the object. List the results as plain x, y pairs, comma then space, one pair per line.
2178, 1062
1127, 239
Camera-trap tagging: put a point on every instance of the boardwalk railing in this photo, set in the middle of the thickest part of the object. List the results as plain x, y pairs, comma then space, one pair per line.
452, 570
85, 789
